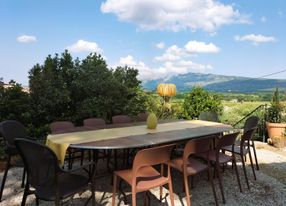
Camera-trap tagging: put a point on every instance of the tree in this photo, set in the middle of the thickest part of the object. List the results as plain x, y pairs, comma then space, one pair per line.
200, 100
67, 89
49, 92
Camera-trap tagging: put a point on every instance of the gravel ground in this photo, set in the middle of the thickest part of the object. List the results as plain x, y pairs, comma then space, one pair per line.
268, 189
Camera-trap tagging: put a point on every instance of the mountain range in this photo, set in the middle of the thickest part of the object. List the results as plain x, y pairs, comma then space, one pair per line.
218, 83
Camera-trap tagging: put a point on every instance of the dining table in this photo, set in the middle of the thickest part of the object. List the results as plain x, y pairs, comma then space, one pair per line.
133, 136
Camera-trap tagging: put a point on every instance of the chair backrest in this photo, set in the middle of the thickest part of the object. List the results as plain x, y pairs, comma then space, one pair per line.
227, 140
12, 129
120, 119
142, 117
196, 146
152, 156
247, 136
209, 116
250, 123
40, 161
98, 123
61, 126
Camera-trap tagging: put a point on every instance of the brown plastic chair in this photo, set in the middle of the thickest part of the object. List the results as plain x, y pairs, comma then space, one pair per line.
142, 117
219, 158
95, 123
243, 149
143, 176
190, 166
121, 119
61, 127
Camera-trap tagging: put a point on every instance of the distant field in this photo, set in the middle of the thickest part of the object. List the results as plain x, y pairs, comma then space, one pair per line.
233, 112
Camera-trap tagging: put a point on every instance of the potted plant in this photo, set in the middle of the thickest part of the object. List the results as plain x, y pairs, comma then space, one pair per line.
274, 120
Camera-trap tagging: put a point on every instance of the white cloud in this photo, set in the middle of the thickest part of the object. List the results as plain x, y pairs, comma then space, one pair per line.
255, 38
173, 53
160, 45
26, 39
84, 46
201, 47
207, 15
145, 73
169, 68
183, 67
263, 19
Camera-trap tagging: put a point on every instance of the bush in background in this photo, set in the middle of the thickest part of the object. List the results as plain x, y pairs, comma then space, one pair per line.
200, 100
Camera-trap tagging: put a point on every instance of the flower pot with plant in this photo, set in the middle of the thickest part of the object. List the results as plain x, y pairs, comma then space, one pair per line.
274, 121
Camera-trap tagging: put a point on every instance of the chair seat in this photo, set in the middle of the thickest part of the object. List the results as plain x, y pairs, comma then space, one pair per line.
236, 150
147, 178
68, 184
223, 158
194, 166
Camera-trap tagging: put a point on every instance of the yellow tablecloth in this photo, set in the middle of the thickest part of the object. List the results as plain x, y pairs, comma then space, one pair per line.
60, 142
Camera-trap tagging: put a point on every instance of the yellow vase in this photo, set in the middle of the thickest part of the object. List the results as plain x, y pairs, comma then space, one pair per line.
152, 121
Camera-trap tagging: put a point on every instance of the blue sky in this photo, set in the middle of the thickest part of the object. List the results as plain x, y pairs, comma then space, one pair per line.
160, 38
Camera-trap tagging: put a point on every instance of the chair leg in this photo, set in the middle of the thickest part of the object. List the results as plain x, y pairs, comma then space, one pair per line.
133, 197
170, 186
244, 170
192, 181
255, 156
212, 184
5, 176
37, 201
70, 159
81, 157
252, 166
187, 192
161, 187
23, 177
26, 193
237, 175
114, 189
93, 194
220, 182
115, 160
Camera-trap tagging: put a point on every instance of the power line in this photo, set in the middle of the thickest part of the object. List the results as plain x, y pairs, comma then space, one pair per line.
267, 75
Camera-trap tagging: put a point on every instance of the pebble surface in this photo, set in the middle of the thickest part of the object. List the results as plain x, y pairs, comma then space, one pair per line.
268, 189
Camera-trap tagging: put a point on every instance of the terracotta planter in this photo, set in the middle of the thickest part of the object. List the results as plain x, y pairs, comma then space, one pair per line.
276, 129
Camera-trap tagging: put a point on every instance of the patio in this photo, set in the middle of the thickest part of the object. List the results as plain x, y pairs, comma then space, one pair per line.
269, 189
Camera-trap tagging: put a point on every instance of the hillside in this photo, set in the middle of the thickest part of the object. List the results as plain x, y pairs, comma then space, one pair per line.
218, 83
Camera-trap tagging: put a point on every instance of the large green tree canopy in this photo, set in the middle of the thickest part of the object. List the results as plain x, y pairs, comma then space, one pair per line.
63, 88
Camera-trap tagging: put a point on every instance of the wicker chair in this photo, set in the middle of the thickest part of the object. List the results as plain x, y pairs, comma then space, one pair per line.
11, 129
50, 182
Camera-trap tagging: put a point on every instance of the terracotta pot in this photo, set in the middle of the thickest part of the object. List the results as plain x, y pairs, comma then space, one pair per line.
276, 129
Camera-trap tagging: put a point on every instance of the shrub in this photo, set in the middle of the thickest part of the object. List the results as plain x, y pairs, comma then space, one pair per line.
274, 112
200, 100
